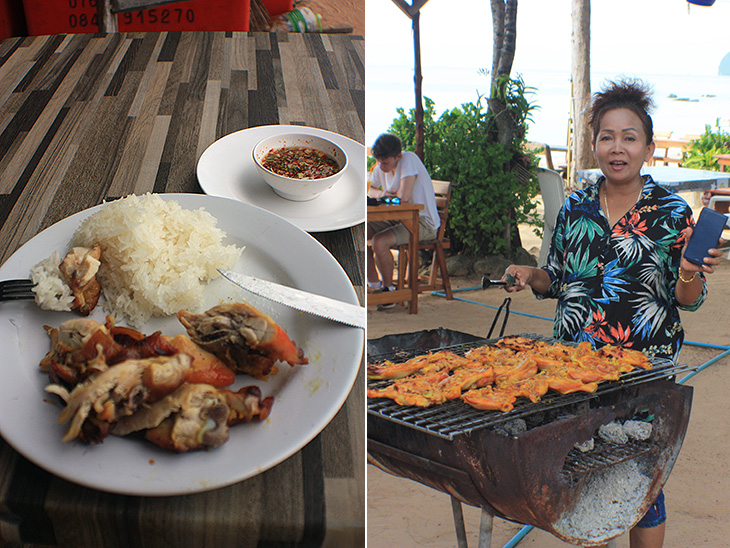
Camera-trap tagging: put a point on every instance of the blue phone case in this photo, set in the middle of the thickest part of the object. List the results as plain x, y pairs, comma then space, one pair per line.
705, 235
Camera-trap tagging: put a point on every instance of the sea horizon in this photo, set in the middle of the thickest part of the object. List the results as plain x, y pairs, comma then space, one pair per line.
685, 104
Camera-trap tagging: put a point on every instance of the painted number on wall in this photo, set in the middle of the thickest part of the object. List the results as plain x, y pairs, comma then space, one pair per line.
162, 16
83, 14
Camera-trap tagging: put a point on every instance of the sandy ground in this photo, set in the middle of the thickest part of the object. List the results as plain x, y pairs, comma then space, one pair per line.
404, 513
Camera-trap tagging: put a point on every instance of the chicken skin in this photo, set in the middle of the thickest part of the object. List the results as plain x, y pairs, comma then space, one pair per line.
243, 338
119, 391
195, 416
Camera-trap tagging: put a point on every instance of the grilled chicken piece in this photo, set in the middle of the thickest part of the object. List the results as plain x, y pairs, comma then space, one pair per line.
466, 378
418, 390
206, 367
79, 348
489, 399
442, 360
242, 337
626, 356
119, 391
79, 268
195, 416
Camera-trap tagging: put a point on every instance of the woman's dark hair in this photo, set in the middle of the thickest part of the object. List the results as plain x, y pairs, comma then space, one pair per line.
629, 93
386, 145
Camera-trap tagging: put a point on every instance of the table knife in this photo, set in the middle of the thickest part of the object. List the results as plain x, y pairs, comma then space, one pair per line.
332, 309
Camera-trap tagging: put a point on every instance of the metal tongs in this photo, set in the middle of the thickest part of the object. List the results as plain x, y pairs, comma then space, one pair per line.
509, 281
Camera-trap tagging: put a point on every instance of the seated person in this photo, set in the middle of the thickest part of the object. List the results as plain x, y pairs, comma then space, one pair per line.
402, 174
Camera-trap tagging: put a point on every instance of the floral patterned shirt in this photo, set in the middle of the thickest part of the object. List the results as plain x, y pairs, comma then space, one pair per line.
617, 285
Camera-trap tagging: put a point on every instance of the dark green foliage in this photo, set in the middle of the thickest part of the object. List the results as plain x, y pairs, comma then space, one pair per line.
495, 184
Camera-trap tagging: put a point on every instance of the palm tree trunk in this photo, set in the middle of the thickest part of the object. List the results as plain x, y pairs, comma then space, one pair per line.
582, 152
504, 21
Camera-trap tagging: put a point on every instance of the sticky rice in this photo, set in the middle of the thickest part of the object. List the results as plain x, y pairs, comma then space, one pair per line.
156, 256
51, 290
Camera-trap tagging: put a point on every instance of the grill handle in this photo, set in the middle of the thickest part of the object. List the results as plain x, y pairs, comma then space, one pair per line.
508, 281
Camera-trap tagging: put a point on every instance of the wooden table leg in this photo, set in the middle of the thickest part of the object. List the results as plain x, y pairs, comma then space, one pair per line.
413, 266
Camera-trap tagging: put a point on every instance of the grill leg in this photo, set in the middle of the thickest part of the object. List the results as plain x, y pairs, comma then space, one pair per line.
485, 530
459, 523
485, 526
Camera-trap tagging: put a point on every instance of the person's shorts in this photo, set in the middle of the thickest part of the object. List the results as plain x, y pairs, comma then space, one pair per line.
656, 515
425, 231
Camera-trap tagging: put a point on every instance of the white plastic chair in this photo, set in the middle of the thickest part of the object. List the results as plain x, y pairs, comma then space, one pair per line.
552, 190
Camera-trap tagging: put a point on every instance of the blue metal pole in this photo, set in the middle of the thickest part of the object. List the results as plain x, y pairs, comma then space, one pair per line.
518, 537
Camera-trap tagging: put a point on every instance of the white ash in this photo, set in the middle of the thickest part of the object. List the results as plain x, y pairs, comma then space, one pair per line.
613, 432
586, 446
638, 430
606, 505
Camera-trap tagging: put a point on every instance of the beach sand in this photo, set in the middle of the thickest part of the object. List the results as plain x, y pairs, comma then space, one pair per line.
404, 513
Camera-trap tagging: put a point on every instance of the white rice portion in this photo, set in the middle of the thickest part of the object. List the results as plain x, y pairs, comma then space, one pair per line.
156, 257
51, 290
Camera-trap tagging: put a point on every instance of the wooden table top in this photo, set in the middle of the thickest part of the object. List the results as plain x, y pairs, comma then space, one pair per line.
85, 118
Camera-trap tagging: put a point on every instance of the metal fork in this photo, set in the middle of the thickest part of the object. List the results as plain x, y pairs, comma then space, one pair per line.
13, 290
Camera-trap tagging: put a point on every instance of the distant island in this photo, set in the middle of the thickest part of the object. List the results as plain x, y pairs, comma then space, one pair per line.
725, 66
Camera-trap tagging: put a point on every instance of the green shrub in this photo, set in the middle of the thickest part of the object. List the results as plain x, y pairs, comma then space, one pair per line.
701, 152
495, 184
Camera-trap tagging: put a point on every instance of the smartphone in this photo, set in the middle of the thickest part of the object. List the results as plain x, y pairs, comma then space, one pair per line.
706, 235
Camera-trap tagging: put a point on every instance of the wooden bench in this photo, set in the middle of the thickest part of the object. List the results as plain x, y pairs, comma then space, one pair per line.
669, 151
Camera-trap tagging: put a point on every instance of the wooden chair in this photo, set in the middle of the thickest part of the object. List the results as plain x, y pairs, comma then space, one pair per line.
438, 279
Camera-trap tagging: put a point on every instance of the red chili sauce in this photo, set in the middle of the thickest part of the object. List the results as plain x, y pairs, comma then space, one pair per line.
300, 163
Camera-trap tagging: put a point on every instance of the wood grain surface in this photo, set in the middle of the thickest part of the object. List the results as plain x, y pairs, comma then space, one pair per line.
84, 118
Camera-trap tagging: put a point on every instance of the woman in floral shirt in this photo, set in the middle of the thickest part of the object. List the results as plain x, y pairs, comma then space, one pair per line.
616, 263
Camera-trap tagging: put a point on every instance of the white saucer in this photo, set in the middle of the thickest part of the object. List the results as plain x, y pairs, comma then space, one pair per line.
226, 169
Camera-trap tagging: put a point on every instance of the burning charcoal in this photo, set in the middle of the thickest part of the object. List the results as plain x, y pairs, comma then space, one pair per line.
613, 432
585, 446
512, 428
638, 430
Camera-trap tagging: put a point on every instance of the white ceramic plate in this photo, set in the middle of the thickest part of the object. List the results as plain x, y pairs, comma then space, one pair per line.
306, 397
226, 169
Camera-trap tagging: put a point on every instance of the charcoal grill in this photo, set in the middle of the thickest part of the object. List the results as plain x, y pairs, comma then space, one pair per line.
534, 474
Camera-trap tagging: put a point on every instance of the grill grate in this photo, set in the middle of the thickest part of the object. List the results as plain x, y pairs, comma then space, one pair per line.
604, 454
455, 417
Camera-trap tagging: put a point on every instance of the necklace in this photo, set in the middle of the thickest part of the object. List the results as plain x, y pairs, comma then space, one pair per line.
605, 201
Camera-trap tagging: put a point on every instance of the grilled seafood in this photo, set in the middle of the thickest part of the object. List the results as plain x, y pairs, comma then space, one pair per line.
243, 338
195, 416
494, 376
119, 391
79, 269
